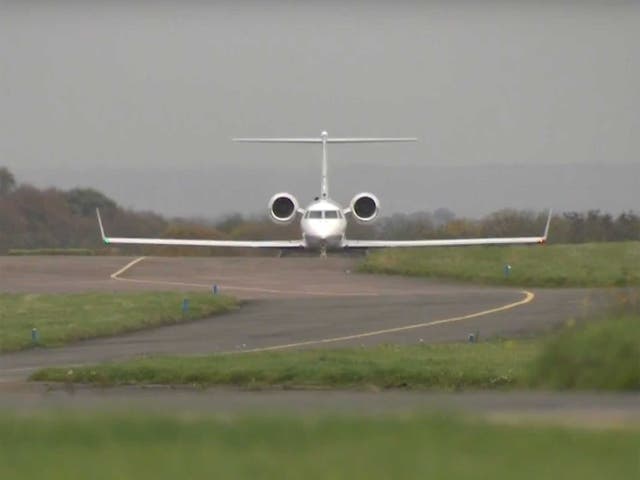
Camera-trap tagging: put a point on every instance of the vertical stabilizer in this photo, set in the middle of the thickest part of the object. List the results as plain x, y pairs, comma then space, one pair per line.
324, 187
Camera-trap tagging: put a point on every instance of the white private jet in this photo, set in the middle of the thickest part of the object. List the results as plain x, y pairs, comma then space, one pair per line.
324, 221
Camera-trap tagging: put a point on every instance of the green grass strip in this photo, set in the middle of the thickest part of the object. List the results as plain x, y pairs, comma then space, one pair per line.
602, 355
450, 366
106, 446
584, 265
60, 319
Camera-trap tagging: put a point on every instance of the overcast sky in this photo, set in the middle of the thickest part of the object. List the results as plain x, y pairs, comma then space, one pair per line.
140, 99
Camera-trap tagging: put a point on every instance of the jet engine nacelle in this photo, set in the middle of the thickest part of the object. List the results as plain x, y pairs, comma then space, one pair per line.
283, 208
365, 207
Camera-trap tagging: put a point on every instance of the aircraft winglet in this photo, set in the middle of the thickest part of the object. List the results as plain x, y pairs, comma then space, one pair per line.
104, 237
546, 228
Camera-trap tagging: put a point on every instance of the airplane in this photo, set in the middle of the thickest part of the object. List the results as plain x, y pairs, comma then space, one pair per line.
323, 222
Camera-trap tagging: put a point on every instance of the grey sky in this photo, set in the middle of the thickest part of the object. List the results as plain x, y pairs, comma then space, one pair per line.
93, 94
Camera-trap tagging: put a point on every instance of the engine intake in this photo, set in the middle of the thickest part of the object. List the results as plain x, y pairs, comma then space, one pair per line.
283, 208
365, 207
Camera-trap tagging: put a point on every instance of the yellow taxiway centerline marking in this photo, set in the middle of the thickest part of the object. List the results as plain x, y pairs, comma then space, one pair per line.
528, 297
116, 276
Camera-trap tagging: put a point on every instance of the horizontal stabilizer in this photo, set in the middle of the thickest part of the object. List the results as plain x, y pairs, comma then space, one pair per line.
327, 140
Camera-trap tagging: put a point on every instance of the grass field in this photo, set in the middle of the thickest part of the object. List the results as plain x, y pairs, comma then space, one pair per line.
585, 265
450, 366
60, 319
412, 446
602, 355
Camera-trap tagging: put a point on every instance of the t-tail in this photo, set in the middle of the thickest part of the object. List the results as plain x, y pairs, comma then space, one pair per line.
324, 139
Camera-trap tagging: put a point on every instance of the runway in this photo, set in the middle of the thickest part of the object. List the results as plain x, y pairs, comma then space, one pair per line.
288, 303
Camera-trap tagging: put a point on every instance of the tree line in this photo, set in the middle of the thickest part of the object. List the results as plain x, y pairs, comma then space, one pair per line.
567, 227
31, 217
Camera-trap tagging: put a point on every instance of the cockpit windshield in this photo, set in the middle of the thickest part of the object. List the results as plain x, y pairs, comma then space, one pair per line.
330, 214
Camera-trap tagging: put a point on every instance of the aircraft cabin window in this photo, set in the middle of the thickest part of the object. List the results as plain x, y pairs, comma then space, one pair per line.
331, 214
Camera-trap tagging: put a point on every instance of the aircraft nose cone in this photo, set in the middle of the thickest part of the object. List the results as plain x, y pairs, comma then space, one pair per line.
320, 233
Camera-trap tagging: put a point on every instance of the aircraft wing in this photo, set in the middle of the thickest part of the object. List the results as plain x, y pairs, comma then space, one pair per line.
460, 242
197, 242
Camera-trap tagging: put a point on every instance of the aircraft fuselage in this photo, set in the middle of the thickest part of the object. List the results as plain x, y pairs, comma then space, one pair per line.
323, 225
